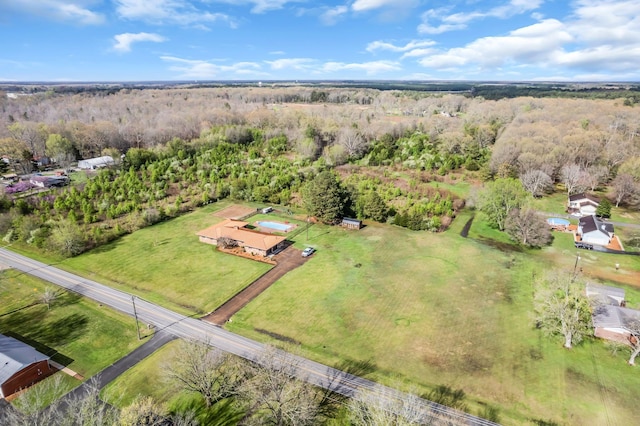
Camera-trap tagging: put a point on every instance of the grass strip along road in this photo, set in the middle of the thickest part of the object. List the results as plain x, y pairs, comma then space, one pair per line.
192, 328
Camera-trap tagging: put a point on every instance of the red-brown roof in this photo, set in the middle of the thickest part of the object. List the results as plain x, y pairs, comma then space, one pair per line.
235, 230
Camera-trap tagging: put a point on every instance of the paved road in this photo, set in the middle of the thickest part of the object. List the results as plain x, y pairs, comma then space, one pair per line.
290, 258
191, 328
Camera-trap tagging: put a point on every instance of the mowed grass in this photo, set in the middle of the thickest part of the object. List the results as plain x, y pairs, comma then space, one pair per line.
76, 331
430, 309
146, 378
166, 264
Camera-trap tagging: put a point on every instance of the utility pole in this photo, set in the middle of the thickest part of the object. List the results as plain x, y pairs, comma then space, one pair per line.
307, 227
575, 266
135, 314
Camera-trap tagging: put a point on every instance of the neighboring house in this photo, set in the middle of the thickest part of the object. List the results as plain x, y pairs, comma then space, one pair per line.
253, 242
20, 366
96, 163
605, 295
582, 204
49, 181
593, 231
615, 323
350, 223
611, 319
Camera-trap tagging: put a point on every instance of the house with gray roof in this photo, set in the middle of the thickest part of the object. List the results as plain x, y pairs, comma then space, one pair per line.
605, 295
20, 366
592, 230
616, 323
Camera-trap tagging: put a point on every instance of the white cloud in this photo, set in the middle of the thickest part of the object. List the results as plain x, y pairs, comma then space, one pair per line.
298, 64
600, 40
413, 44
124, 41
259, 6
179, 12
458, 21
77, 11
537, 43
331, 16
364, 5
369, 68
203, 70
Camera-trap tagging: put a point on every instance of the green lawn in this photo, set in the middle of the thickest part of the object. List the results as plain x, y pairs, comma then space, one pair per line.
76, 332
166, 264
432, 309
145, 378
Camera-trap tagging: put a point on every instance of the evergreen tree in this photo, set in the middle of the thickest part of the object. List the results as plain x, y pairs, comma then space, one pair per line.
324, 198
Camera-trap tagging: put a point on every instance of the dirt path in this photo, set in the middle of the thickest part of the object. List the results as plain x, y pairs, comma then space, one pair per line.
289, 259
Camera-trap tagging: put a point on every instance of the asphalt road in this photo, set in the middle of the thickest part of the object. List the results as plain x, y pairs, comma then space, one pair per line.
192, 328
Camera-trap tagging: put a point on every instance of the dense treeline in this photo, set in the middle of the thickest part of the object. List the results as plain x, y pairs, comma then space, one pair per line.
185, 147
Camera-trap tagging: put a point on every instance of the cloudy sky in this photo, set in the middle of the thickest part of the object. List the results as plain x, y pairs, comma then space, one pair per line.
135, 40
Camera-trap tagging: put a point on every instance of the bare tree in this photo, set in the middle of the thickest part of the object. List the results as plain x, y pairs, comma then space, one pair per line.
196, 367
275, 396
536, 182
30, 408
635, 341
352, 140
526, 227
88, 409
624, 188
562, 308
48, 296
573, 178
143, 411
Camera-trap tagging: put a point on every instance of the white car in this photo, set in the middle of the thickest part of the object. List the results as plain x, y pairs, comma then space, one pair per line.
308, 251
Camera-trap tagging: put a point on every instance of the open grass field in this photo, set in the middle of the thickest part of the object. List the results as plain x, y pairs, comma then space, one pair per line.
166, 264
76, 332
425, 309
430, 309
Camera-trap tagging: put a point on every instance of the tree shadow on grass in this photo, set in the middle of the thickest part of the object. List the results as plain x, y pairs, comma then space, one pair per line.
30, 323
66, 298
222, 413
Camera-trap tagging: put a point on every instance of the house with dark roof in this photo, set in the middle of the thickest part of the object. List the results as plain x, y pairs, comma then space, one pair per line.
582, 204
605, 295
592, 230
20, 366
253, 242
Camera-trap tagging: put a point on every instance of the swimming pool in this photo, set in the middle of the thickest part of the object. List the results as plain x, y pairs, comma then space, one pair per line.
556, 221
274, 225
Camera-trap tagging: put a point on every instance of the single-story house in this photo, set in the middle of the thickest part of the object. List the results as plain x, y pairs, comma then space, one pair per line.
594, 231
615, 323
20, 366
350, 223
582, 204
605, 295
96, 163
253, 242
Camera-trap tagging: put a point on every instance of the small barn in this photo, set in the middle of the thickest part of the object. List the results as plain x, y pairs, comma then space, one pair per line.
351, 223
96, 163
20, 366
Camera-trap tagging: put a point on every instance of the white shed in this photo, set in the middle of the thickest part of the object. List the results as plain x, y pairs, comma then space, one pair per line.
96, 163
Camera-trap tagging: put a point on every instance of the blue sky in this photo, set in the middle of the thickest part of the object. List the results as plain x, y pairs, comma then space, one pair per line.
135, 40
